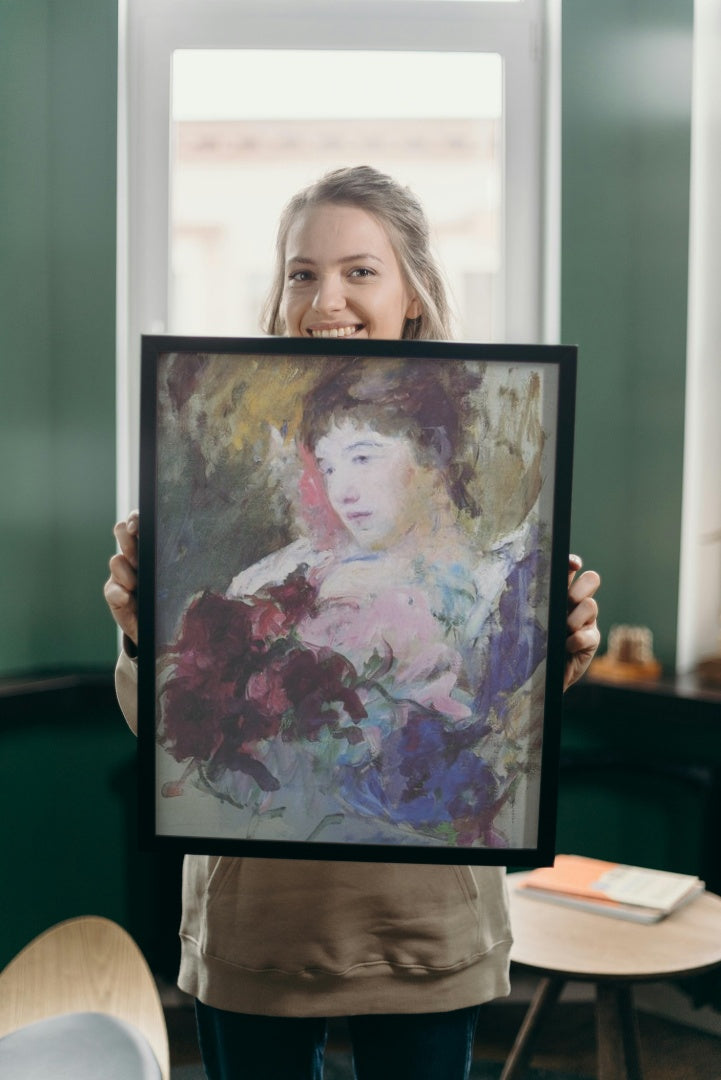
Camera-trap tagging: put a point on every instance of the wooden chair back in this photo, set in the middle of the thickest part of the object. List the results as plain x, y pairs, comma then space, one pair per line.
87, 964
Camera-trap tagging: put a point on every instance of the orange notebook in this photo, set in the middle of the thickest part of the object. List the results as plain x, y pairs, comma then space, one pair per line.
631, 892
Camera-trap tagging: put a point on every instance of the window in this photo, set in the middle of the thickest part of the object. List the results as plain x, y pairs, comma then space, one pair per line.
236, 160
227, 107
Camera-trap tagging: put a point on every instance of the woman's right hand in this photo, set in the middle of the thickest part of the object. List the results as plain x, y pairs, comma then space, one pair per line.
121, 587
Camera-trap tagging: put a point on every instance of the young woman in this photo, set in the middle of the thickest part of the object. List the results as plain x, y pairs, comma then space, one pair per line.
272, 948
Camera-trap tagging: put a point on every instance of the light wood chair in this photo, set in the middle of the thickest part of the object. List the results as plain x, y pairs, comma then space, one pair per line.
87, 965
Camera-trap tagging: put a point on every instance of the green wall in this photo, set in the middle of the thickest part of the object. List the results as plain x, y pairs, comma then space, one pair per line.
69, 778
68, 802
625, 200
58, 72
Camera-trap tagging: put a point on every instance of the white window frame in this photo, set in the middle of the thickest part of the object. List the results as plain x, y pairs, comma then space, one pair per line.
526, 34
699, 598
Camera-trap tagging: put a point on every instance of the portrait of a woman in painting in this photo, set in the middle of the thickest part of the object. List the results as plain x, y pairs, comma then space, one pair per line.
375, 678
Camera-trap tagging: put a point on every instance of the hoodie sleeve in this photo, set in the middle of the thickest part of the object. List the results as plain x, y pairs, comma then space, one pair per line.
126, 688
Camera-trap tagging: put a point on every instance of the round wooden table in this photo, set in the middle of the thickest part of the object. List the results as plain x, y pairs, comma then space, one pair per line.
562, 944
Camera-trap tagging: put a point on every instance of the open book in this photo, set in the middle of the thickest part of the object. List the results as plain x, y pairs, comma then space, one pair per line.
608, 888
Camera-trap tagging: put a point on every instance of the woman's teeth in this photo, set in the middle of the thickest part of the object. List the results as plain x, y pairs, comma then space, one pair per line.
337, 331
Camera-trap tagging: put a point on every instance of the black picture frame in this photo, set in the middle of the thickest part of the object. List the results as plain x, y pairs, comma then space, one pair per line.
316, 680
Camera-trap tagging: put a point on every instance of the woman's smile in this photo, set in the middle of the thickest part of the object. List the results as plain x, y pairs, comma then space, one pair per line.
335, 331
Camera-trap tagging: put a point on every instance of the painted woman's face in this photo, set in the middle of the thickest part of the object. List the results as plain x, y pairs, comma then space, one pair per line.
342, 277
373, 482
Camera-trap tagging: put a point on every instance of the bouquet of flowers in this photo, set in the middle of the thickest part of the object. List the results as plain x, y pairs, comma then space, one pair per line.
242, 689
240, 676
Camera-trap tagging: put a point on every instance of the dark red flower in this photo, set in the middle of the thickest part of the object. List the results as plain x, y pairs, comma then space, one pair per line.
239, 677
314, 683
296, 597
266, 691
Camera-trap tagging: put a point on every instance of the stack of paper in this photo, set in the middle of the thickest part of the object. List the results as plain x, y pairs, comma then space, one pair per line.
608, 888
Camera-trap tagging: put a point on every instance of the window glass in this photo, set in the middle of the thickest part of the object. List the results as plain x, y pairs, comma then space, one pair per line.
251, 127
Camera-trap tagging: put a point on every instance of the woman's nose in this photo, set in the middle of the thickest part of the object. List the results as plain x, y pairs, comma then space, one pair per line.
342, 489
329, 295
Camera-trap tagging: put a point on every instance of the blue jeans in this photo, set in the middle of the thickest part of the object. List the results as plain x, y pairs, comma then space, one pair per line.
415, 1046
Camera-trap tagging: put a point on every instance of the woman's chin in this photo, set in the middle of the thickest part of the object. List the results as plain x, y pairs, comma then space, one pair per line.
376, 542
368, 542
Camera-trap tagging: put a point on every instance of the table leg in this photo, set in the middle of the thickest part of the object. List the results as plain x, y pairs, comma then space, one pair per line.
617, 1033
545, 997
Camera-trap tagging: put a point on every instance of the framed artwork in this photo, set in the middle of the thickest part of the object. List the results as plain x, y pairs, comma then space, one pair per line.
352, 597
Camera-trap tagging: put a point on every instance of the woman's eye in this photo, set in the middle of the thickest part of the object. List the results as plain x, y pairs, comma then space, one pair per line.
362, 272
361, 459
300, 276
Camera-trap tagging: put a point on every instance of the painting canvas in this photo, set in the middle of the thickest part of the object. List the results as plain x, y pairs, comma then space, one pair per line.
353, 568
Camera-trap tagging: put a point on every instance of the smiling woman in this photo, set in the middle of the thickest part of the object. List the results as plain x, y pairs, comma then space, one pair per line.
353, 258
309, 704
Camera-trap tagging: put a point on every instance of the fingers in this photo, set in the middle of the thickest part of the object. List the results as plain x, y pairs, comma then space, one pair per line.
575, 562
126, 534
582, 613
583, 636
583, 587
124, 572
581, 648
582, 607
120, 600
584, 641
121, 587
123, 607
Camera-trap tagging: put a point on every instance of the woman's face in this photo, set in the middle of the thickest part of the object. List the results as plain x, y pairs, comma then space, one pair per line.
342, 277
373, 482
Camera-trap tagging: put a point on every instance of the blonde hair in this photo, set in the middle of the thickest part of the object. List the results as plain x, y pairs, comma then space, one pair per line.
403, 217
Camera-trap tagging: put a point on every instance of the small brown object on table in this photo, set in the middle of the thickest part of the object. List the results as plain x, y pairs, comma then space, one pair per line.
563, 944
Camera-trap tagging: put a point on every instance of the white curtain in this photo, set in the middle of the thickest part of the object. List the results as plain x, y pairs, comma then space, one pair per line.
700, 582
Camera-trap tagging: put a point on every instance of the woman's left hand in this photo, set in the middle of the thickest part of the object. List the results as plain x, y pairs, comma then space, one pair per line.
583, 635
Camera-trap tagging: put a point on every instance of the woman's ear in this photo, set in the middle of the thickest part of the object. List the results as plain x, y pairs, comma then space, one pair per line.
415, 309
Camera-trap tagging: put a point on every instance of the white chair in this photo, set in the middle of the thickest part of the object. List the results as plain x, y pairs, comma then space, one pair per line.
80, 1002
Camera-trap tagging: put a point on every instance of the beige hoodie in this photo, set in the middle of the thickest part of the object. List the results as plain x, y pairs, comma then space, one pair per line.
284, 937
